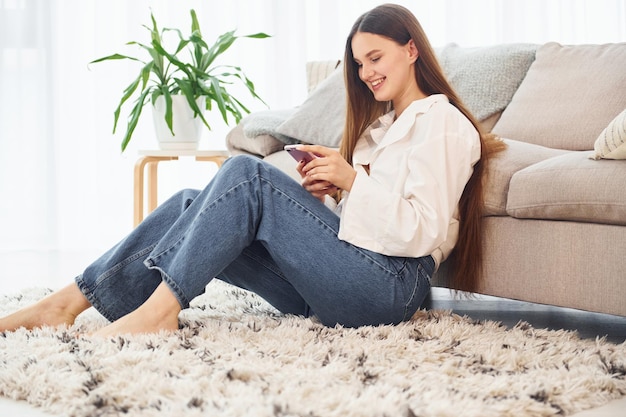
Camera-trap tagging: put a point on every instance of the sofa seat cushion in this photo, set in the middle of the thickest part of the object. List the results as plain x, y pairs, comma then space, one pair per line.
517, 156
569, 95
570, 187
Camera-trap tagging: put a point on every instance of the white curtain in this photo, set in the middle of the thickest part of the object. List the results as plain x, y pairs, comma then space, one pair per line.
66, 188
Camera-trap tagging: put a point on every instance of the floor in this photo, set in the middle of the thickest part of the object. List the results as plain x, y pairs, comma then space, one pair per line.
510, 312
58, 270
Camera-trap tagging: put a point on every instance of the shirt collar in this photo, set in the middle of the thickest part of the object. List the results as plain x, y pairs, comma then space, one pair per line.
398, 128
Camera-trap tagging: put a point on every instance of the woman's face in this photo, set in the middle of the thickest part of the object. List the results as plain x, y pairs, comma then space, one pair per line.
387, 68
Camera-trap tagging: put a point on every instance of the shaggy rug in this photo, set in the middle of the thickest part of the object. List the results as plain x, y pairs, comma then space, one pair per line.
236, 356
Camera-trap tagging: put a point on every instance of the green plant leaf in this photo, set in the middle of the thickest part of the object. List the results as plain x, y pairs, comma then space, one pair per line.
236, 72
259, 35
155, 35
115, 57
219, 99
222, 43
168, 109
187, 90
172, 60
134, 118
128, 92
145, 74
195, 26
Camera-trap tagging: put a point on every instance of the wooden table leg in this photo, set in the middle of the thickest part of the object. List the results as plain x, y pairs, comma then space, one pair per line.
151, 182
138, 190
151, 163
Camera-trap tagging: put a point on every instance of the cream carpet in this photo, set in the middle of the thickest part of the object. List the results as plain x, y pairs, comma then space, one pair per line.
236, 356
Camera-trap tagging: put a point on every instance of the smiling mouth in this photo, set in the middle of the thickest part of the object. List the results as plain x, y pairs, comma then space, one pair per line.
377, 82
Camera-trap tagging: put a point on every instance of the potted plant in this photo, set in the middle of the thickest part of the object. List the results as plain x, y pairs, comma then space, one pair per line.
188, 75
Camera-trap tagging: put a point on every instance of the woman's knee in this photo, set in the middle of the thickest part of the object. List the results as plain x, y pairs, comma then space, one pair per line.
242, 162
241, 167
183, 198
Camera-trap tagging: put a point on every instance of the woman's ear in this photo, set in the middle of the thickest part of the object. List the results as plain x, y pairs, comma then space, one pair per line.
412, 50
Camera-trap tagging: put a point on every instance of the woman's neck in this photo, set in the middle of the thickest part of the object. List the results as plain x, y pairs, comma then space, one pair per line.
405, 101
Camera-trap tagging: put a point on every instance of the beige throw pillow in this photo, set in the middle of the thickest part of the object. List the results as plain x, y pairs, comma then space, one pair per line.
569, 95
611, 144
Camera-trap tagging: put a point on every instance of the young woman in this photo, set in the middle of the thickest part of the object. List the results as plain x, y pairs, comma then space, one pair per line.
407, 178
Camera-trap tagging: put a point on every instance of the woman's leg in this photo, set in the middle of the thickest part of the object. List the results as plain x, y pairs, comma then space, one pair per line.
118, 282
354, 288
119, 276
58, 308
249, 202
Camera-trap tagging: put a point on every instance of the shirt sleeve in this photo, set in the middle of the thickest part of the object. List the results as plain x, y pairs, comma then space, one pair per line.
406, 204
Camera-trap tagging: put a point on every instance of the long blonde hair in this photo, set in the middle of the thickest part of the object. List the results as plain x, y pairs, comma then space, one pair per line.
400, 25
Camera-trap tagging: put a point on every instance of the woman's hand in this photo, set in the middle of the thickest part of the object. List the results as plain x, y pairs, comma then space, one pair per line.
326, 173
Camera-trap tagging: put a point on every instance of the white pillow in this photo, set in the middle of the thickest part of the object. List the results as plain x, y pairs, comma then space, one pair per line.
611, 144
265, 122
486, 77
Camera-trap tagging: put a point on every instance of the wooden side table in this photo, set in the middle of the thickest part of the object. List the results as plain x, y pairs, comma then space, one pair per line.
149, 159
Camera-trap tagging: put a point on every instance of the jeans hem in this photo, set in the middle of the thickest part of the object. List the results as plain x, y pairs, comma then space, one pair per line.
182, 299
93, 300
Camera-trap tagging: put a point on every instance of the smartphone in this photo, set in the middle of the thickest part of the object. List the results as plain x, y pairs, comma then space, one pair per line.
299, 155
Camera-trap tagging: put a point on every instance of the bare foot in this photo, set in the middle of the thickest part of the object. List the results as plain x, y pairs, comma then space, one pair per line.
57, 309
158, 313
139, 322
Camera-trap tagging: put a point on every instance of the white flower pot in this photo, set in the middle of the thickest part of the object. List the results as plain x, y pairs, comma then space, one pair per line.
187, 129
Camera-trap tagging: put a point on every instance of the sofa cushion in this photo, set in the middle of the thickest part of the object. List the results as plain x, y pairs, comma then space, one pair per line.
488, 124
320, 119
487, 77
516, 156
570, 187
611, 144
568, 97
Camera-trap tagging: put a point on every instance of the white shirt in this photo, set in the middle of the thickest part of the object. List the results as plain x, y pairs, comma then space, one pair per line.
418, 167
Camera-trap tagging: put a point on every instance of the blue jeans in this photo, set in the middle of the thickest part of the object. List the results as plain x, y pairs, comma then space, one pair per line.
256, 228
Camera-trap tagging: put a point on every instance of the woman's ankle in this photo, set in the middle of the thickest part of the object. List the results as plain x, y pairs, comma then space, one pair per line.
158, 313
70, 300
